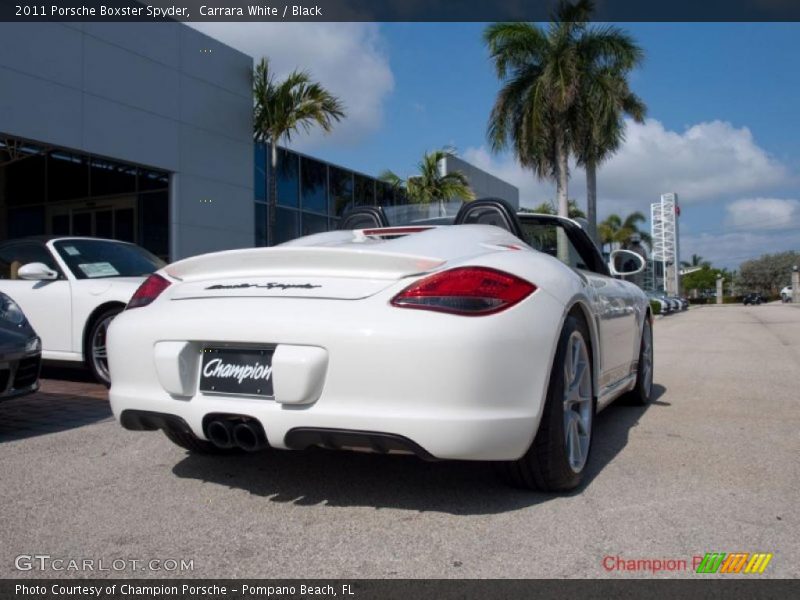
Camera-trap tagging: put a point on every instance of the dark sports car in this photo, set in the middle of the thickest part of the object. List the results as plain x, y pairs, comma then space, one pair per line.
20, 351
753, 298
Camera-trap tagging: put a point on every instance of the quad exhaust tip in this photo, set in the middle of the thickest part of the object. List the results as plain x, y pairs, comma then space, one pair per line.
221, 434
249, 437
237, 432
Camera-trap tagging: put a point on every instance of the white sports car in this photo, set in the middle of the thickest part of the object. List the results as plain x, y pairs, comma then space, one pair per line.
470, 342
70, 288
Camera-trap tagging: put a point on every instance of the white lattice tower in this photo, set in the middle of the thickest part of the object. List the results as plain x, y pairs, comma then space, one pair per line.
664, 230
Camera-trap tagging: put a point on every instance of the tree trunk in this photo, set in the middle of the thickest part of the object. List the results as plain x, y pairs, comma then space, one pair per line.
273, 193
562, 176
591, 199
562, 183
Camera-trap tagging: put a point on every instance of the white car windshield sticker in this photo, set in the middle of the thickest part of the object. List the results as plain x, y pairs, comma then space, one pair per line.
71, 250
98, 269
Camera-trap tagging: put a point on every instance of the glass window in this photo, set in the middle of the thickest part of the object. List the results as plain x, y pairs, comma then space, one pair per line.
341, 190
153, 222
82, 223
287, 225
261, 224
314, 177
24, 181
124, 225
14, 256
108, 177
314, 224
400, 196
94, 259
385, 193
67, 176
59, 225
104, 223
547, 237
260, 173
153, 180
288, 178
25, 221
364, 190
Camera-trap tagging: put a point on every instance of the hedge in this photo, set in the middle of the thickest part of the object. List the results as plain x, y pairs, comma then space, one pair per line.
655, 307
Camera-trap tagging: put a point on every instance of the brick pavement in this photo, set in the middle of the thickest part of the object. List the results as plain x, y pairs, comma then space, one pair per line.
72, 400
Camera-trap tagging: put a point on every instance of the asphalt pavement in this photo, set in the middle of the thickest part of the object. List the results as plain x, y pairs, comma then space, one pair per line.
710, 466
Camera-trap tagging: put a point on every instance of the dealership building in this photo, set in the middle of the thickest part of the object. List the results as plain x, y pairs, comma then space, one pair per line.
143, 132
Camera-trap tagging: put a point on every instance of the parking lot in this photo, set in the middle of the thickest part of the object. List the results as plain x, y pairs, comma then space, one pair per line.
710, 466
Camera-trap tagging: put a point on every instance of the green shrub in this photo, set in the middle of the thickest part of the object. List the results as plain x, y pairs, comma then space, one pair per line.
655, 307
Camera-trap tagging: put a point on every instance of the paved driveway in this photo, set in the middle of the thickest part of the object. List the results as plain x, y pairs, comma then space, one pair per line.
711, 465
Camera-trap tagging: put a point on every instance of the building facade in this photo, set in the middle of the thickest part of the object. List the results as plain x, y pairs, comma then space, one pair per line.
143, 132
132, 131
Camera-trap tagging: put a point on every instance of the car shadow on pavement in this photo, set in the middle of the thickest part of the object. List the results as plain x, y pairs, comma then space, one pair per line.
75, 373
334, 478
43, 412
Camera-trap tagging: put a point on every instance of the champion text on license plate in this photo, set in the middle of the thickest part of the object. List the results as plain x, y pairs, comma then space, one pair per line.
237, 371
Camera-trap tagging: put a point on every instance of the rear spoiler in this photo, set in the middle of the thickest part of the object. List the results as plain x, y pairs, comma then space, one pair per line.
302, 260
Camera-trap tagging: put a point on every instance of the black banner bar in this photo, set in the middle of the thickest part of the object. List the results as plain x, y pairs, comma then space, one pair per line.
732, 588
390, 10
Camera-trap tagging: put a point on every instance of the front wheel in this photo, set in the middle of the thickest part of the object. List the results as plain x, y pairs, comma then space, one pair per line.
559, 453
96, 352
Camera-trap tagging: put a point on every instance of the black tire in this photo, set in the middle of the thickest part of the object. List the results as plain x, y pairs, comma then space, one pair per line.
99, 371
192, 443
642, 393
546, 466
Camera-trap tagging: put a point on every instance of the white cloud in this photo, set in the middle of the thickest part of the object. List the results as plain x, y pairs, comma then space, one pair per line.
763, 213
708, 161
347, 58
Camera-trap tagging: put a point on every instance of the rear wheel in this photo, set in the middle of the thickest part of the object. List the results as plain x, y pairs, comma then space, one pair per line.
96, 352
559, 453
642, 393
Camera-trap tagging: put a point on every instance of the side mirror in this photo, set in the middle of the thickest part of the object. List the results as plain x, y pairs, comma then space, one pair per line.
625, 263
37, 271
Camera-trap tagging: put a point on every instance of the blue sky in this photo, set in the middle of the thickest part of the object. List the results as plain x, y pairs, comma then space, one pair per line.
723, 126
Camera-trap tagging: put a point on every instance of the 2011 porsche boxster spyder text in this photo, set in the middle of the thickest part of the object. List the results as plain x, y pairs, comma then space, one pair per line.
496, 338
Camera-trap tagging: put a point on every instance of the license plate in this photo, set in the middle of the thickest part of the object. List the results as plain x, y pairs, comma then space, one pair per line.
246, 372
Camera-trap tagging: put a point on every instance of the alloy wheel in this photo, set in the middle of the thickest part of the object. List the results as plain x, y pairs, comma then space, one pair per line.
578, 402
99, 351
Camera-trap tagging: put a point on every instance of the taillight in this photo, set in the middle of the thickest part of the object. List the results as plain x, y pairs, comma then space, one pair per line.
470, 291
150, 289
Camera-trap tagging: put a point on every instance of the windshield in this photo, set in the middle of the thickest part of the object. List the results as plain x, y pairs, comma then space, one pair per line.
420, 214
95, 259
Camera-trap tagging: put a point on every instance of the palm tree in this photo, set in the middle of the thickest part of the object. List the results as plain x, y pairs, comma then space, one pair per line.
608, 230
538, 112
604, 101
431, 185
615, 230
696, 261
630, 228
283, 108
549, 208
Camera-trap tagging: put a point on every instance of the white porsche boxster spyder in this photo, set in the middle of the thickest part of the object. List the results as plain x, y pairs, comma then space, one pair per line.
496, 338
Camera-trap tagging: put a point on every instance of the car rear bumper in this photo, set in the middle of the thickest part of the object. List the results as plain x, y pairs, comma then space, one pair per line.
453, 387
